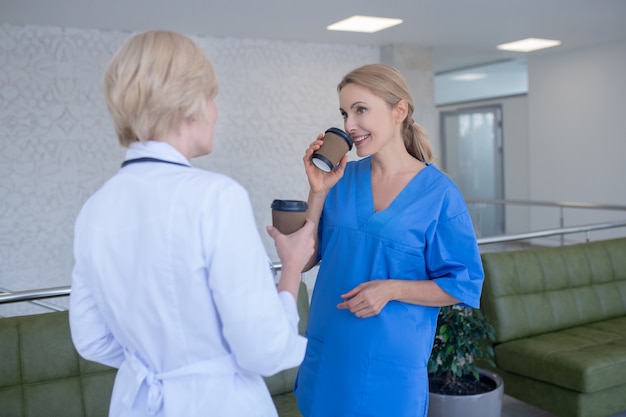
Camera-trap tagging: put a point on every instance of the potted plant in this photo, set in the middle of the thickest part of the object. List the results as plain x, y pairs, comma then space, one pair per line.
457, 384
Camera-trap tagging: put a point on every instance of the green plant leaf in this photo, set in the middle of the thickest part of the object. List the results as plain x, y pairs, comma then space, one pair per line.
463, 336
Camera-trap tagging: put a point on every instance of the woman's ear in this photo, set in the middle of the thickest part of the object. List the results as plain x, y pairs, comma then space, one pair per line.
401, 111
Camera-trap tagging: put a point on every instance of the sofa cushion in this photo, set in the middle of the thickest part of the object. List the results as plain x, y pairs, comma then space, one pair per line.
527, 293
287, 405
586, 359
10, 364
41, 374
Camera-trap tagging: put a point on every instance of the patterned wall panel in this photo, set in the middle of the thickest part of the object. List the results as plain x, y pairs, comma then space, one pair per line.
57, 144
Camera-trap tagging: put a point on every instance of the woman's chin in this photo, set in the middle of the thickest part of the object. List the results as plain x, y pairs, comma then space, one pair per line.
362, 152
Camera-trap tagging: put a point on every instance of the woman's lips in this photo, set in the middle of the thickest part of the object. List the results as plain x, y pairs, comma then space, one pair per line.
360, 138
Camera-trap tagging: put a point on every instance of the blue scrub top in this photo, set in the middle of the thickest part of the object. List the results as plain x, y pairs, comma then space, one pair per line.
377, 366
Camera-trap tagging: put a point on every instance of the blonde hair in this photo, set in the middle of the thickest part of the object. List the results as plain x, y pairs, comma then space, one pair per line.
154, 82
387, 83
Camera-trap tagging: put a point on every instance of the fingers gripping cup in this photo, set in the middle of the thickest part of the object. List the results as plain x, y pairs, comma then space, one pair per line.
288, 215
336, 144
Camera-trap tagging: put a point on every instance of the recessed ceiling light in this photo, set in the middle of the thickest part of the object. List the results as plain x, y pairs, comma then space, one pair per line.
469, 76
529, 45
368, 24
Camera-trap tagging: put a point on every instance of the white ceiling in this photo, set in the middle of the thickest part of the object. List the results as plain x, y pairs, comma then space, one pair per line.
462, 33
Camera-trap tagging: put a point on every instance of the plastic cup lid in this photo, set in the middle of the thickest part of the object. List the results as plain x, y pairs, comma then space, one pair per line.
322, 162
289, 205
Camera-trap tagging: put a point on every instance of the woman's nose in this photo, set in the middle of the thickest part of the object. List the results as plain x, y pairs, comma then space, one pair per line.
348, 125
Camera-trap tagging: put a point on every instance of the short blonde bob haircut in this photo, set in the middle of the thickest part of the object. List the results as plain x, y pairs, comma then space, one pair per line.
154, 82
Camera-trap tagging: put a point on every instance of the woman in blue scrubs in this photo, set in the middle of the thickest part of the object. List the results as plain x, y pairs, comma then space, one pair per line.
396, 242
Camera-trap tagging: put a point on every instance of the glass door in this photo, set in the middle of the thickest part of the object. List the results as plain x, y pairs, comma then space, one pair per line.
471, 140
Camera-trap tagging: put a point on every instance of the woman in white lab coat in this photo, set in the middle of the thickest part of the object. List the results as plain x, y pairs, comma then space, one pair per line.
171, 283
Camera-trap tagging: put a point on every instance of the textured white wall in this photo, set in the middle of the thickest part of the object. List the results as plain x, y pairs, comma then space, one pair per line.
57, 144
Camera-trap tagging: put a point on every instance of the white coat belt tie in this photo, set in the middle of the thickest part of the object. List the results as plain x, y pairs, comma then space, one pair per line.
215, 367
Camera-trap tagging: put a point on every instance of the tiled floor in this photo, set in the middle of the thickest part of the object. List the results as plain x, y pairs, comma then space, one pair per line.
512, 407
515, 408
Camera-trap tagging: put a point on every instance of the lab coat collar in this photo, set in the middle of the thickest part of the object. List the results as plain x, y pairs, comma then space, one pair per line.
155, 149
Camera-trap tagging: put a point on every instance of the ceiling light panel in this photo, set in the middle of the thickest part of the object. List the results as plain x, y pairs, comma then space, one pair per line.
529, 45
367, 24
469, 76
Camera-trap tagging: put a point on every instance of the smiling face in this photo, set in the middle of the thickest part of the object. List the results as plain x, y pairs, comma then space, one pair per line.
368, 119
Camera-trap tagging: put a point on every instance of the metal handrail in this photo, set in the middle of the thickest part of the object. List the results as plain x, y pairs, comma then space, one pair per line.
565, 204
13, 297
551, 232
561, 205
277, 266
37, 301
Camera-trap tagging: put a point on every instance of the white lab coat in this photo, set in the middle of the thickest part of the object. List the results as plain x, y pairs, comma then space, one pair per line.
173, 286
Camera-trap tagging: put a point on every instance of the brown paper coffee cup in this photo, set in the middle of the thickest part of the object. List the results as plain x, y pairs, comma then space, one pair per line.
288, 215
336, 144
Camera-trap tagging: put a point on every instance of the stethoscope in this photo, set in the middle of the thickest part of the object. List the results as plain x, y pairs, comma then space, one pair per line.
148, 159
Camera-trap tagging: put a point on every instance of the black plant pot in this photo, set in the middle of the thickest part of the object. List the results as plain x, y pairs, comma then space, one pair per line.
488, 404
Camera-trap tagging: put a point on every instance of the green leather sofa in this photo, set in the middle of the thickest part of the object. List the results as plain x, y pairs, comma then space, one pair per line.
560, 320
42, 375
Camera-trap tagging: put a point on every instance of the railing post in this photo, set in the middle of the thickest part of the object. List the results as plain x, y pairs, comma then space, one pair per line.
562, 223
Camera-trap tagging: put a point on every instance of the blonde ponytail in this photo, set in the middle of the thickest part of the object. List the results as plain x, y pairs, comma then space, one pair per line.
416, 141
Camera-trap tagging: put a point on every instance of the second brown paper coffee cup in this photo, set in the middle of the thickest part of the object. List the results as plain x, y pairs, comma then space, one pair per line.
336, 144
288, 215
